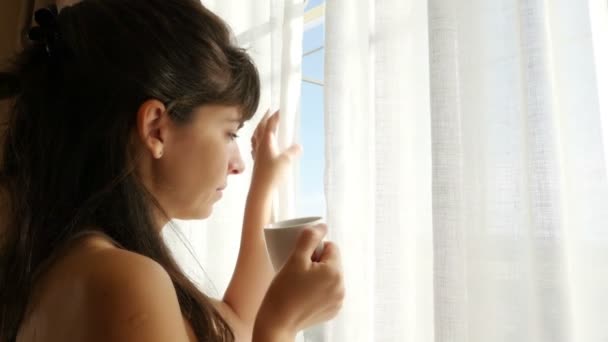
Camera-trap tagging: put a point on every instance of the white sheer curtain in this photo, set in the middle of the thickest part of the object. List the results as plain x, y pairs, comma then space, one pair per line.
466, 175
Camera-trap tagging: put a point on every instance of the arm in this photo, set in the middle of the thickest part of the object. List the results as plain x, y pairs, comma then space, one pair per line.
254, 272
263, 332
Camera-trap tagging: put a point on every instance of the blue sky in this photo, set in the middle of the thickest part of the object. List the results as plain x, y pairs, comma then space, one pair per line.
311, 197
313, 3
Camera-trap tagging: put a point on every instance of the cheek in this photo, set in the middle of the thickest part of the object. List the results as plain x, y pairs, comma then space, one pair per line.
202, 166
184, 167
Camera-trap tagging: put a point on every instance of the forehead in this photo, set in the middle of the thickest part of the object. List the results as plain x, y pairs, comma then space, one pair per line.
218, 113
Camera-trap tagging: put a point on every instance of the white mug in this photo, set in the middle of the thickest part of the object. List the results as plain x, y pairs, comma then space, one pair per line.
281, 238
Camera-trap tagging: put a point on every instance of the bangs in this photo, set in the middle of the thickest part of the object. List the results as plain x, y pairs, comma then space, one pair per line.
243, 88
230, 79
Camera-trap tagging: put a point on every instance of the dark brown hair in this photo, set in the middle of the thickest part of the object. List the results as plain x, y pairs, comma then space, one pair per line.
68, 161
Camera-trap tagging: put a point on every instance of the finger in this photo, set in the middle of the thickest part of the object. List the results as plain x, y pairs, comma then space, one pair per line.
309, 239
294, 150
263, 123
331, 255
254, 145
266, 115
291, 153
273, 123
261, 127
318, 251
288, 156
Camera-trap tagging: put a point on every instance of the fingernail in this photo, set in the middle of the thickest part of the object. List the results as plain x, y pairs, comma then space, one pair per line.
321, 226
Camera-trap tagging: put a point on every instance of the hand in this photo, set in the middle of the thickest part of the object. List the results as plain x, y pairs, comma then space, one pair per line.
305, 293
270, 164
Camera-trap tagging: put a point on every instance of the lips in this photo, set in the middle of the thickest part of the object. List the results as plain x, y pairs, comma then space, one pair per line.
222, 188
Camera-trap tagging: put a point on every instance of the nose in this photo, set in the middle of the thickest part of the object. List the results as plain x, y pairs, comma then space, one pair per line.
236, 165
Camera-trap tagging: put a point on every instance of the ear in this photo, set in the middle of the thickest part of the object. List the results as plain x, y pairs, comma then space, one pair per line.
152, 126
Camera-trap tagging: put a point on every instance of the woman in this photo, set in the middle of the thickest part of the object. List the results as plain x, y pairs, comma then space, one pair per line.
125, 114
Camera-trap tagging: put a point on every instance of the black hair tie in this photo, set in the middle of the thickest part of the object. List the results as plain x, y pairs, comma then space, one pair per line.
47, 31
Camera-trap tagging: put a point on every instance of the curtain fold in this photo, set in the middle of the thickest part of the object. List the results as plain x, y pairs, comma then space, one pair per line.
378, 173
466, 175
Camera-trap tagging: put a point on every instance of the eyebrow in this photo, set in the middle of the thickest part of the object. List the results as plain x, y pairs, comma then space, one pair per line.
236, 120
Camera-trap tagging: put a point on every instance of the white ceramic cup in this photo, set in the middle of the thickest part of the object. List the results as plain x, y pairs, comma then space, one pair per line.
281, 238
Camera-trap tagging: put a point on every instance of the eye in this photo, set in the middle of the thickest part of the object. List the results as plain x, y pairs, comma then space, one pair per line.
233, 136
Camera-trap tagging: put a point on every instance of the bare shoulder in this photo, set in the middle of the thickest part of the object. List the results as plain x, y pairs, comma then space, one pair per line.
98, 292
133, 299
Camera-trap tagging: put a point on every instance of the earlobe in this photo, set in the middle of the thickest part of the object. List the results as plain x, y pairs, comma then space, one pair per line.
151, 126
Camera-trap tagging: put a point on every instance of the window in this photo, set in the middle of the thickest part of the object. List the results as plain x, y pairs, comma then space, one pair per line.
311, 201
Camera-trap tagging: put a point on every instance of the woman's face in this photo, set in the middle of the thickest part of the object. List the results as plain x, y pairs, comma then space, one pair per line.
188, 175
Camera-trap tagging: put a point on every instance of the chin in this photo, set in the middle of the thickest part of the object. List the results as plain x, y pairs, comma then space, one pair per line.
205, 212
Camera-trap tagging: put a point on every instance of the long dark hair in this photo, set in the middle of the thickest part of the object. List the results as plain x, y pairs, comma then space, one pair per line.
68, 161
